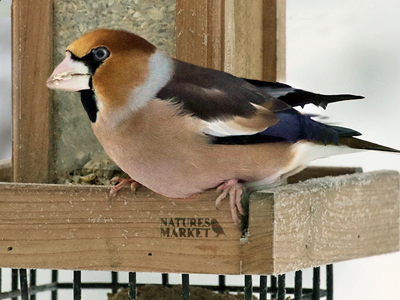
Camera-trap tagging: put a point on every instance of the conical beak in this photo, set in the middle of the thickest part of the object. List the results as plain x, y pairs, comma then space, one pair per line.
69, 75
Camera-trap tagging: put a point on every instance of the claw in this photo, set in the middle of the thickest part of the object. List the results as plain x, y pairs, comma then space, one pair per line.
234, 189
122, 182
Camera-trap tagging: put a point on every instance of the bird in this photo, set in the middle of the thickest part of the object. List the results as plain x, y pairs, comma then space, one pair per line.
180, 129
217, 228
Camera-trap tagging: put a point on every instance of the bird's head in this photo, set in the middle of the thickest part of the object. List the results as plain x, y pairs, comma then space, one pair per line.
112, 63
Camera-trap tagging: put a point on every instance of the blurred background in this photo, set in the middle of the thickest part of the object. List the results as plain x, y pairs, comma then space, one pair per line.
342, 46
5, 80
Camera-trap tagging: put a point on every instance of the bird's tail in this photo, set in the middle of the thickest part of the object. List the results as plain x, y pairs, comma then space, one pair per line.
298, 97
309, 151
324, 100
356, 143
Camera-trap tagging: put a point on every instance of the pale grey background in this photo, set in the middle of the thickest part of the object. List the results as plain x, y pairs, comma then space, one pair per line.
342, 46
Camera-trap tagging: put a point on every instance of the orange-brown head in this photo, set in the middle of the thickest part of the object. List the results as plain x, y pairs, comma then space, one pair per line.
111, 63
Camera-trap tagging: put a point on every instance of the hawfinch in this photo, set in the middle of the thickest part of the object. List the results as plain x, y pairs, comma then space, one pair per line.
180, 129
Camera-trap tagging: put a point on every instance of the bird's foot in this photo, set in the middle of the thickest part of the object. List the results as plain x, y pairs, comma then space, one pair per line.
122, 182
234, 189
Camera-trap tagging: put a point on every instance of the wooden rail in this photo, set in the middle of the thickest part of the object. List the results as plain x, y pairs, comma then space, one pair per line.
293, 227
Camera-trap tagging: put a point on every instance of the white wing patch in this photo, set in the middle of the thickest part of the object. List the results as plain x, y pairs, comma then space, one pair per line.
222, 128
215, 92
240, 125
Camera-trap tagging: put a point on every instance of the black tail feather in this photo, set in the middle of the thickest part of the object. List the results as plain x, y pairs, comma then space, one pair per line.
297, 97
301, 98
356, 143
324, 100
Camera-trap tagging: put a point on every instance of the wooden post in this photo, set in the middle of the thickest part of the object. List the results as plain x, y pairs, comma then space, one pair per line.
245, 38
200, 32
274, 40
31, 65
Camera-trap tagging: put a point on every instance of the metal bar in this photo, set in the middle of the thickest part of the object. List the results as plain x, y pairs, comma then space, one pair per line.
298, 285
263, 287
132, 286
14, 281
263, 290
1, 280
32, 282
274, 287
165, 278
185, 286
281, 287
329, 282
248, 287
114, 282
307, 292
54, 280
33, 290
77, 285
24, 284
13, 295
86, 285
316, 283
92, 285
221, 283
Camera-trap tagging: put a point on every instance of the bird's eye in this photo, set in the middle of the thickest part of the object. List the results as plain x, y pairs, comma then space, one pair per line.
100, 53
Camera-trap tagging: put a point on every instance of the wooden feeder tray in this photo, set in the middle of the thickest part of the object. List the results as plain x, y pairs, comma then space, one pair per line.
296, 226
292, 227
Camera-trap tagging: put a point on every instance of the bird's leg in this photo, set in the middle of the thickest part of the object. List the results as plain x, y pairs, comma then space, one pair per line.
234, 189
123, 182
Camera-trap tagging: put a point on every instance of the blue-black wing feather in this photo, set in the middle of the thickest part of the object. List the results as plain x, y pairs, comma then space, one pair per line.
292, 127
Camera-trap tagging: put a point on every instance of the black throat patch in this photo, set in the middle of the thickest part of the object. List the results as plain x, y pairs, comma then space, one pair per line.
89, 104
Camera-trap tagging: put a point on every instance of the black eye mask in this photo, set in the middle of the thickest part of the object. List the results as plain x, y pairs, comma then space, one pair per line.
93, 59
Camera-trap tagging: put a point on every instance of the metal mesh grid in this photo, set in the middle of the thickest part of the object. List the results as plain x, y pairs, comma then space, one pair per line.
276, 290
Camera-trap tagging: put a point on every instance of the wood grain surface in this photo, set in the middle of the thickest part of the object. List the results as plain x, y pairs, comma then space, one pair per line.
293, 227
244, 38
31, 65
322, 221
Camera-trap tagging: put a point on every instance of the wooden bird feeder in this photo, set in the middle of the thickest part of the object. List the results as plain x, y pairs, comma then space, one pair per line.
58, 226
